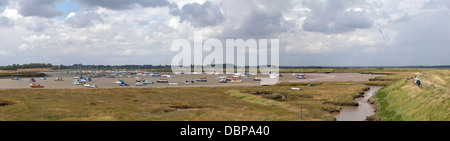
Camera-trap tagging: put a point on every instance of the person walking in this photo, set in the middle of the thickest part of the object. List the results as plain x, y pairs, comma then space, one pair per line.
417, 82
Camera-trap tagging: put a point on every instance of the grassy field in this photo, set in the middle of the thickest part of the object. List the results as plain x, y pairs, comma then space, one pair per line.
403, 101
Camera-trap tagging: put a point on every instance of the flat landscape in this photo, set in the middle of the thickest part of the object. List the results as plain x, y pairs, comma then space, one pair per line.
245, 101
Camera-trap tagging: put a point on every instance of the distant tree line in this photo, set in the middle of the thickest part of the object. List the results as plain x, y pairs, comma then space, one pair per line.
26, 66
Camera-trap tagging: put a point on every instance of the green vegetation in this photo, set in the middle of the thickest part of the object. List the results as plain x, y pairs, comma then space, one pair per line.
404, 101
21, 74
26, 66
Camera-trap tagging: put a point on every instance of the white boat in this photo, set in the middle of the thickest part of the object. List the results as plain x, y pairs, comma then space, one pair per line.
295, 89
273, 75
140, 84
173, 83
90, 86
235, 80
188, 82
77, 83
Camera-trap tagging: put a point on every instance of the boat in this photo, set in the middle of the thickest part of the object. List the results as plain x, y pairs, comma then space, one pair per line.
59, 79
140, 79
32, 79
173, 83
256, 79
235, 80
121, 83
247, 77
36, 86
77, 83
167, 75
301, 76
273, 75
149, 82
201, 79
188, 82
43, 78
90, 86
295, 89
16, 78
162, 81
223, 81
140, 84
112, 76
236, 76
155, 75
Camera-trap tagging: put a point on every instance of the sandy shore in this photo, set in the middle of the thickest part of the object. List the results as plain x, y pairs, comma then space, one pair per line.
103, 82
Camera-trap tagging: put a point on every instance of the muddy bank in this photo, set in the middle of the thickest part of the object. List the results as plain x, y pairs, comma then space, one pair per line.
360, 112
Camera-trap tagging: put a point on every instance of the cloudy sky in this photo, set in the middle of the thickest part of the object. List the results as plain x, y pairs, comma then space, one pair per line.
311, 32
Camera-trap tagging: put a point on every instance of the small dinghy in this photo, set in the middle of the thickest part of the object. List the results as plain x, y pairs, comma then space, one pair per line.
162, 81
16, 78
235, 80
223, 81
256, 79
140, 84
173, 83
149, 82
43, 78
295, 89
201, 79
90, 86
188, 82
59, 79
36, 86
301, 76
77, 83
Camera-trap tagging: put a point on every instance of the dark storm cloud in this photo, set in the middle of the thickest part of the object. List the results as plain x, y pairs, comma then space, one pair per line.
3, 2
39, 8
126, 4
333, 16
4, 21
85, 19
255, 19
200, 15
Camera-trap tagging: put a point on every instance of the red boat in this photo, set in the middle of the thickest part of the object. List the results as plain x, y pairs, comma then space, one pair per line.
36, 86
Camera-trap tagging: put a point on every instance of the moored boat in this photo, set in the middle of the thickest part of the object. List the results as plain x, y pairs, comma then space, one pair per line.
203, 79
140, 84
188, 82
36, 86
256, 79
162, 81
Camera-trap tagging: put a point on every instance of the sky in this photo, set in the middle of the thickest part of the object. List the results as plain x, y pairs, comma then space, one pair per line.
311, 32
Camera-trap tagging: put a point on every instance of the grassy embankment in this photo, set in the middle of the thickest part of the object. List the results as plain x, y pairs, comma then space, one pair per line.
403, 101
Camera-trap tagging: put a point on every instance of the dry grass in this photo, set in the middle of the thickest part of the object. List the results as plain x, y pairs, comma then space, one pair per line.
202, 103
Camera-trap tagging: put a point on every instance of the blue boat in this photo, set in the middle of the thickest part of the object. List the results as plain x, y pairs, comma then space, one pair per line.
16, 78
